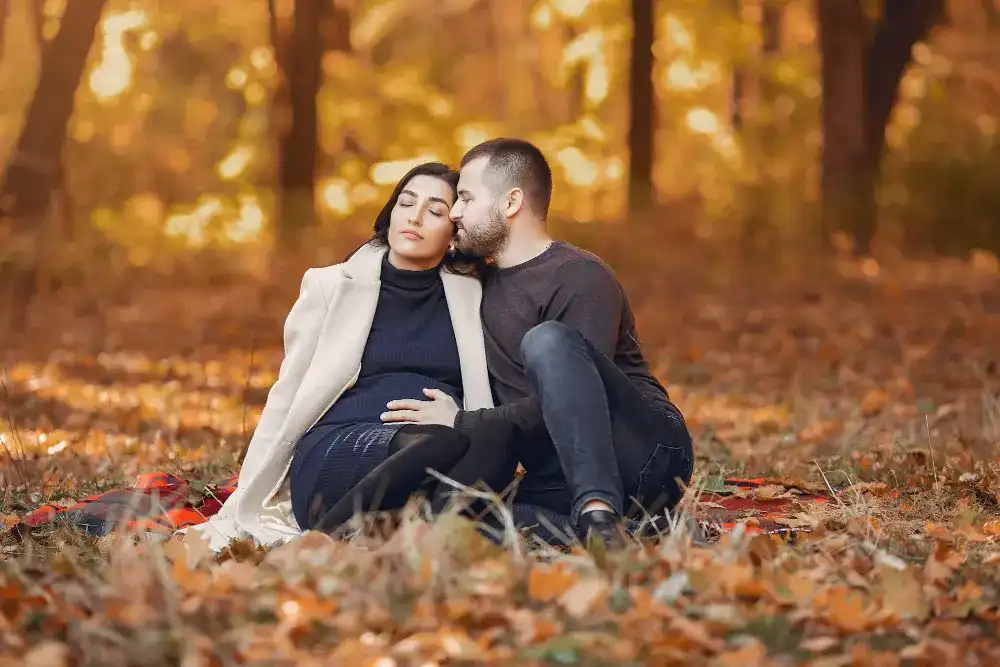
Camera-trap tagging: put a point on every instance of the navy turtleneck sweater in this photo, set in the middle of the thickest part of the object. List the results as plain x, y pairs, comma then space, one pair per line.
411, 346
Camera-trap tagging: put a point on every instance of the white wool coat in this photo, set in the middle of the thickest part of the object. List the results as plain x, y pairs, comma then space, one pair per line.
324, 337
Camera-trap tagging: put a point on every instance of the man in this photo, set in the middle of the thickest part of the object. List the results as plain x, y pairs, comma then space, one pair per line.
598, 431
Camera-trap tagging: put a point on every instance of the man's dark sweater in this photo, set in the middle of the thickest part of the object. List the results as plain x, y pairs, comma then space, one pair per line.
568, 285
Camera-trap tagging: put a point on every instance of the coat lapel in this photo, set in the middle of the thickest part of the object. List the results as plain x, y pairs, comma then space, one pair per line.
464, 296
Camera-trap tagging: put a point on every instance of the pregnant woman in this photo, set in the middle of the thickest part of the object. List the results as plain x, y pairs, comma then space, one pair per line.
400, 318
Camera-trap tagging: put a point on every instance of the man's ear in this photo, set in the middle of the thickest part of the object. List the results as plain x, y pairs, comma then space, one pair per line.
515, 200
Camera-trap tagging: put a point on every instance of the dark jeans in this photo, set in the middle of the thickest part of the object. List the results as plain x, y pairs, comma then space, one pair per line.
612, 442
483, 455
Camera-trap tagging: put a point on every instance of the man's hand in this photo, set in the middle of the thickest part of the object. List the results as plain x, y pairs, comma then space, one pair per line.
440, 409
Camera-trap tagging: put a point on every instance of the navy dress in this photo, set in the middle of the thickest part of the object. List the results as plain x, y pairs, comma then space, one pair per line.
411, 346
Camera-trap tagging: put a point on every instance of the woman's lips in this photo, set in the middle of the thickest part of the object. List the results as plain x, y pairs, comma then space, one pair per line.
410, 234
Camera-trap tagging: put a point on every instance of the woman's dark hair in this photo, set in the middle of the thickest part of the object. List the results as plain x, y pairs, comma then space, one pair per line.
454, 261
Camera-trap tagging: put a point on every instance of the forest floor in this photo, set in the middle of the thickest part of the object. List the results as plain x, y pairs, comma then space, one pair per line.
880, 381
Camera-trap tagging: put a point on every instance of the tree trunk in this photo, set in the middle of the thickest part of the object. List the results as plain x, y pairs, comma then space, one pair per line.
302, 55
33, 170
860, 87
842, 29
33, 173
904, 23
642, 113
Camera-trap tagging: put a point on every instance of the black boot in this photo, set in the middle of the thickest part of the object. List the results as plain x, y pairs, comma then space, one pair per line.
602, 526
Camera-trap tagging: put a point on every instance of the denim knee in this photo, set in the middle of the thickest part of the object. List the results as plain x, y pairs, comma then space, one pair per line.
546, 340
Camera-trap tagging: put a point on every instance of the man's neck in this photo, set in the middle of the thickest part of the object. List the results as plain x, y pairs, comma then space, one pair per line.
525, 245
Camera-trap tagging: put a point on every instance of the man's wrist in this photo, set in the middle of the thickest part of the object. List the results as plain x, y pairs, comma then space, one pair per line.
461, 419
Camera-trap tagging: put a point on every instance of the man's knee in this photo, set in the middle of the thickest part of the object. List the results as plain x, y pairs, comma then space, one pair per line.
547, 340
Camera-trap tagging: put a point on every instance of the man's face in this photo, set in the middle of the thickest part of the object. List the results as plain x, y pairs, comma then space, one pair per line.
481, 226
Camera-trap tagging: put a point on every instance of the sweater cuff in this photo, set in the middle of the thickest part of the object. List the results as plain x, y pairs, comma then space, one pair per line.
463, 419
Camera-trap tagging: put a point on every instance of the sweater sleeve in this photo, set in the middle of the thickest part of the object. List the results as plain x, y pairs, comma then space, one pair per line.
586, 297
526, 414
301, 335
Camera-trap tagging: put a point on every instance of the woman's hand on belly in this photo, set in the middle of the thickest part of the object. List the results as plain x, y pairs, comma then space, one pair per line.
440, 408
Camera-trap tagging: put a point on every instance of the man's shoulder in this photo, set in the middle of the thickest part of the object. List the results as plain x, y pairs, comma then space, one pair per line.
574, 259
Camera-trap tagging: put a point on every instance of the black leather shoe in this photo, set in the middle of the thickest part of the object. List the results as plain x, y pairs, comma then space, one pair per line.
602, 526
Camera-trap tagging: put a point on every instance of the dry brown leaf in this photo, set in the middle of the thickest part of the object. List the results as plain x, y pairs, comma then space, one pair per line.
548, 582
846, 609
874, 402
903, 593
580, 600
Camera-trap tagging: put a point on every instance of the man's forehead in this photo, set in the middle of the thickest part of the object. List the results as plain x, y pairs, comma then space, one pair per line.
474, 169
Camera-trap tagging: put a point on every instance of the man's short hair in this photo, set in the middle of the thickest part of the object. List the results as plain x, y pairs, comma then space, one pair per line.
516, 163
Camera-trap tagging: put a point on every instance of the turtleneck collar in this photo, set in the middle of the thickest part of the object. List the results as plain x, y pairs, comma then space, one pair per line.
408, 279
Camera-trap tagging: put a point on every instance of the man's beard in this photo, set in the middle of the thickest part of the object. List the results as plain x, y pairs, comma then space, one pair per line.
487, 239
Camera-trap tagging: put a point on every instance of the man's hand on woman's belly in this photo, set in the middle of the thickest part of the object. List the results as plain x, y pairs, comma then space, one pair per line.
440, 408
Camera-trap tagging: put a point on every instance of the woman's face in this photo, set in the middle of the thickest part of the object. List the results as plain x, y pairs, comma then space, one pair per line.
420, 230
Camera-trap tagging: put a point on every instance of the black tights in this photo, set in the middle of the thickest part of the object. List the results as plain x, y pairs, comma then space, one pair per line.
483, 454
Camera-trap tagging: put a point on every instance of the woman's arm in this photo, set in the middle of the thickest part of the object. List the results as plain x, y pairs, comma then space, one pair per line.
301, 334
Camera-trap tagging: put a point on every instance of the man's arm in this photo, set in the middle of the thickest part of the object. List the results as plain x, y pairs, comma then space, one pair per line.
526, 414
587, 298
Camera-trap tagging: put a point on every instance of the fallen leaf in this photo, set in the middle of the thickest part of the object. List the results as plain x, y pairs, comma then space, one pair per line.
579, 600
874, 402
546, 583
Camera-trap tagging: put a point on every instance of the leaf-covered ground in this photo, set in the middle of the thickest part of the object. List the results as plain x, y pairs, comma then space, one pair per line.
882, 381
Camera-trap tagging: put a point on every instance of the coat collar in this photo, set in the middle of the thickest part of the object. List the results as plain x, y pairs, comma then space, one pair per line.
365, 264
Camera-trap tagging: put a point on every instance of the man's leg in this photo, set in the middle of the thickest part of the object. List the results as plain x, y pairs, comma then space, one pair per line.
489, 460
611, 441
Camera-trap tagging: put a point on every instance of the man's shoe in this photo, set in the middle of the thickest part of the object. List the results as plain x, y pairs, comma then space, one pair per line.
604, 527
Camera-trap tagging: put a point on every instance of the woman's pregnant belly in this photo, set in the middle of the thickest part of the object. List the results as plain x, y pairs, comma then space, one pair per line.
366, 400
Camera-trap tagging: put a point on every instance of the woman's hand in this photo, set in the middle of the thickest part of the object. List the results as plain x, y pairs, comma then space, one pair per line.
440, 409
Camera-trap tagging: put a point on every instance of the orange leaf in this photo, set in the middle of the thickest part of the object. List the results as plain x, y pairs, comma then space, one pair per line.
845, 609
547, 583
874, 402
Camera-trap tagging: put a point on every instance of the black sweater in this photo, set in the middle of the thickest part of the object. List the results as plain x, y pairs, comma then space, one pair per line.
568, 285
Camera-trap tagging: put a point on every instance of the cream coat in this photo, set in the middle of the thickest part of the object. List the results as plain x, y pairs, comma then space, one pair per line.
325, 335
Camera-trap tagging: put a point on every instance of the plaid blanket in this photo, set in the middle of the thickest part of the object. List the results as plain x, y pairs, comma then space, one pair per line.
162, 503
158, 502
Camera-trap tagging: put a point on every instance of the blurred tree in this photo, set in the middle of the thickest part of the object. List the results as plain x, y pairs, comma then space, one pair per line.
318, 26
862, 65
34, 170
642, 110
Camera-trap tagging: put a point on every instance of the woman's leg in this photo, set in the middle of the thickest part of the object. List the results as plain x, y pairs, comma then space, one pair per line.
490, 460
413, 449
